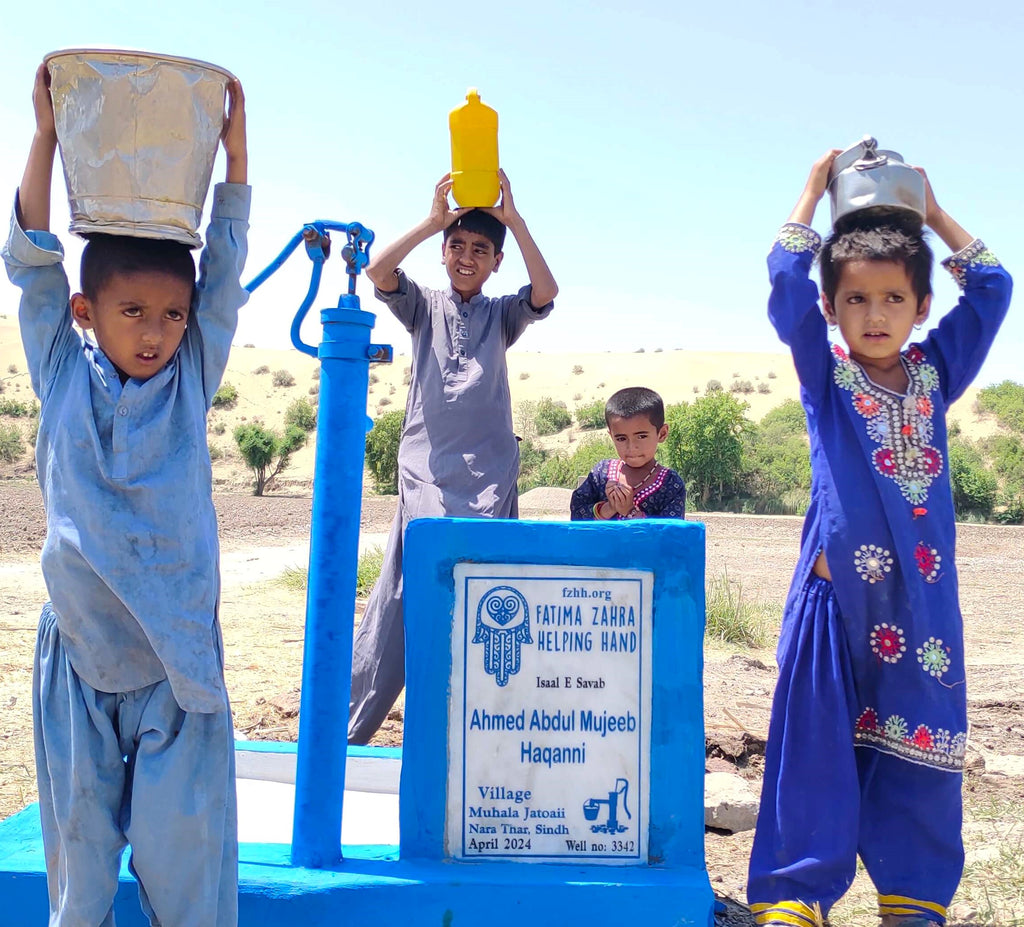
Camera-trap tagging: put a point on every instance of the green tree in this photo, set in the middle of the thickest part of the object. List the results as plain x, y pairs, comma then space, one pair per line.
382, 451
778, 459
705, 444
265, 452
1006, 401
974, 485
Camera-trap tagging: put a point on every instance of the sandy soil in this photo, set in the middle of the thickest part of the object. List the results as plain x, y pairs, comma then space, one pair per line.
263, 620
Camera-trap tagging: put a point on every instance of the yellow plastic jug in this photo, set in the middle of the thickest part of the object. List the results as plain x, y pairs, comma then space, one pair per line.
474, 131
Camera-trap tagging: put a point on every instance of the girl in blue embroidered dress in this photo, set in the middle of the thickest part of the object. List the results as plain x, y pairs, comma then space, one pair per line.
869, 720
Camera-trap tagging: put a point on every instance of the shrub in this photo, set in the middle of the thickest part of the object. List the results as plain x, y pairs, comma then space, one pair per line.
741, 386
248, 345
314, 389
301, 414
11, 444
590, 414
265, 452
771, 374
263, 368
577, 370
382, 451
713, 386
226, 396
407, 376
974, 486
374, 379
524, 376
12, 368
215, 452
763, 388
15, 408
283, 378
383, 401
316, 373
531, 458
576, 397
551, 416
600, 385
219, 428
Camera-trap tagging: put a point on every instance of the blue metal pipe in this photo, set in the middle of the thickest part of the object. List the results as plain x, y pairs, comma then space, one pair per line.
334, 549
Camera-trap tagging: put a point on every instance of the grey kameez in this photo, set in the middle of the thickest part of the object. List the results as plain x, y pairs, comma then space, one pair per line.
458, 458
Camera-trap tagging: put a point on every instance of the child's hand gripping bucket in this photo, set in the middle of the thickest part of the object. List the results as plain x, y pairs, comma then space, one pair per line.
138, 135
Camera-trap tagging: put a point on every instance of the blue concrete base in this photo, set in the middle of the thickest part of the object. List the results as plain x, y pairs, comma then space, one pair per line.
374, 884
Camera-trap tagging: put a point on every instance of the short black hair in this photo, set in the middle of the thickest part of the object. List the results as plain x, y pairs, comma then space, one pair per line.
482, 223
892, 237
106, 256
635, 400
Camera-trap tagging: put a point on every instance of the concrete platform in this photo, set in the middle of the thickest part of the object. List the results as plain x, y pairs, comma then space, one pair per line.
372, 882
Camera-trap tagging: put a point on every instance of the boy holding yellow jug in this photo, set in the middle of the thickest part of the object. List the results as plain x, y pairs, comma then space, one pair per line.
458, 456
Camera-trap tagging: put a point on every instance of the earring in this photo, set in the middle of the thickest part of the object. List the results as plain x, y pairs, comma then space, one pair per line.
918, 325
832, 326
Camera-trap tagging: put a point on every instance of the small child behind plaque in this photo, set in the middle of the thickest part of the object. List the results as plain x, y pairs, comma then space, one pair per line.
635, 485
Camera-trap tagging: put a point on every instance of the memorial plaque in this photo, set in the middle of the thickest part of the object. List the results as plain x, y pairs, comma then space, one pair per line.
549, 714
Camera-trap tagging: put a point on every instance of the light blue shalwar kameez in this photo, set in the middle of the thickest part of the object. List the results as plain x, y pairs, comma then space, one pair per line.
133, 730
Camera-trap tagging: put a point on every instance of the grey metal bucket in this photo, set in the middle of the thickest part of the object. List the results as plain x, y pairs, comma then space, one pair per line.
138, 134
865, 177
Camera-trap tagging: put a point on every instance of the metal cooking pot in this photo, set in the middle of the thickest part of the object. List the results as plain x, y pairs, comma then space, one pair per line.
867, 177
138, 134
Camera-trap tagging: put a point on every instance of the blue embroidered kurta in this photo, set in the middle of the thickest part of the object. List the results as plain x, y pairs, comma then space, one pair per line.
881, 504
664, 496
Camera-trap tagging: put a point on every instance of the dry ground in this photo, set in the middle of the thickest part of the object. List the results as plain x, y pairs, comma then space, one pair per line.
263, 629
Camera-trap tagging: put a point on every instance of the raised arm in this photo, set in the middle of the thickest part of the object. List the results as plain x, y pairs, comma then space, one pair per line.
383, 266
34, 192
542, 281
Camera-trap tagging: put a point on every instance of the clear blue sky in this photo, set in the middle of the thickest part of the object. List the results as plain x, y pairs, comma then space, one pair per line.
654, 148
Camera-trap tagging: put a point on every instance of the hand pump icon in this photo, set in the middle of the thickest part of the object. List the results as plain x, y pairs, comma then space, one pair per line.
612, 825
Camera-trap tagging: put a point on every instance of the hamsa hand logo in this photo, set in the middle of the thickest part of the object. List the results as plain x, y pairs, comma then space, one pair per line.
502, 626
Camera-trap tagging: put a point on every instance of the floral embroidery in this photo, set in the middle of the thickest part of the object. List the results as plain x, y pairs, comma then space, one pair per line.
922, 738
973, 255
901, 425
796, 238
867, 405
929, 562
888, 642
933, 657
872, 562
930, 748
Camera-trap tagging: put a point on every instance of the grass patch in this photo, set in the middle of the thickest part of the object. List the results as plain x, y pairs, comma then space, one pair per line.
368, 568
294, 579
734, 619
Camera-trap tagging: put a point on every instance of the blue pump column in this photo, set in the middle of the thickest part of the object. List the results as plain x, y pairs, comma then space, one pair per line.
345, 354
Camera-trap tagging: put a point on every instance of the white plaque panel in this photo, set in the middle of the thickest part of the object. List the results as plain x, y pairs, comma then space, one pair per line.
549, 714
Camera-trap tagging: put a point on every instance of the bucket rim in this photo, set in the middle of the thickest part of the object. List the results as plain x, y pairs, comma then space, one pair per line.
135, 53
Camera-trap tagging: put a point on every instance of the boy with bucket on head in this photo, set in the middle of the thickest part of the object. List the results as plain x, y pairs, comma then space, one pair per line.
133, 733
634, 485
458, 455
869, 720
